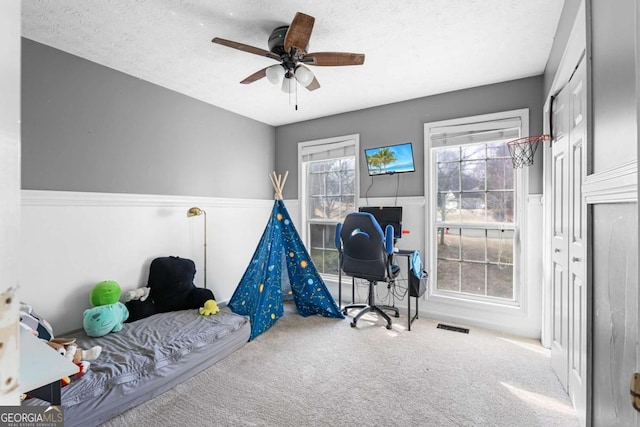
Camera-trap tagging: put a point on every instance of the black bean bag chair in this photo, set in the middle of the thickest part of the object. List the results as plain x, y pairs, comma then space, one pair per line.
171, 289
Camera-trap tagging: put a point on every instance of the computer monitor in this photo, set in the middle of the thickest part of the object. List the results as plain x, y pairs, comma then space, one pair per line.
386, 215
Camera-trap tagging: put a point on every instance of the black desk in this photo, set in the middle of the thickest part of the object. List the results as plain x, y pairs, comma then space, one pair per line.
408, 253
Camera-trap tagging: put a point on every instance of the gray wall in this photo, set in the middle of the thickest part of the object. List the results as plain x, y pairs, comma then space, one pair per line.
86, 127
613, 58
404, 122
613, 83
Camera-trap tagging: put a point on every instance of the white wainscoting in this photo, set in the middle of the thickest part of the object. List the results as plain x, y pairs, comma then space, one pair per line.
73, 240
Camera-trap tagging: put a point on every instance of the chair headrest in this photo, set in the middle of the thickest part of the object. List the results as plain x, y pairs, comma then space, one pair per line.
365, 248
364, 223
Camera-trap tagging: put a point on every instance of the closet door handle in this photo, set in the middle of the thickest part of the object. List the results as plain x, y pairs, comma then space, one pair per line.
635, 391
556, 250
576, 259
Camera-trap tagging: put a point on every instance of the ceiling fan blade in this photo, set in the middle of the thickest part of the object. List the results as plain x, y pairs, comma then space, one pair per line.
313, 85
333, 58
299, 33
255, 76
246, 48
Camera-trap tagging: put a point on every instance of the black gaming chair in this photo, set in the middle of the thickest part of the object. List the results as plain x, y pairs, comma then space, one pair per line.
367, 253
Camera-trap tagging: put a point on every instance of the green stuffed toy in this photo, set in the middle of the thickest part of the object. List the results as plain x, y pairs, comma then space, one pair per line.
99, 321
105, 293
108, 314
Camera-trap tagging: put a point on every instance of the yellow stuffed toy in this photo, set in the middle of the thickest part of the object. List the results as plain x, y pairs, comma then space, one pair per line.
210, 307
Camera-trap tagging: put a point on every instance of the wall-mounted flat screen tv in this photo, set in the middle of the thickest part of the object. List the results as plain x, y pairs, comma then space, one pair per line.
390, 159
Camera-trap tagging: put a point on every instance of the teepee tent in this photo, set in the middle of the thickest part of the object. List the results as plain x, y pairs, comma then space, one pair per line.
280, 252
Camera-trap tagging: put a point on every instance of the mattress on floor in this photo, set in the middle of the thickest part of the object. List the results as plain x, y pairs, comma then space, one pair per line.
146, 358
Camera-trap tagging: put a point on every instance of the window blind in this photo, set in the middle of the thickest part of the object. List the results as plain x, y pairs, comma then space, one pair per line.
494, 130
327, 151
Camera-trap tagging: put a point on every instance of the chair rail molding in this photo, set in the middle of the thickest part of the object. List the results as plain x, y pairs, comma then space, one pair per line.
616, 185
78, 198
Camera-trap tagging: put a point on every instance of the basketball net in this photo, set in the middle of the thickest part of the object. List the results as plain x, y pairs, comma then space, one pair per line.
522, 150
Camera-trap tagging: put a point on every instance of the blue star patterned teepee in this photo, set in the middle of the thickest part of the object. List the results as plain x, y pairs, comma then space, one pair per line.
259, 294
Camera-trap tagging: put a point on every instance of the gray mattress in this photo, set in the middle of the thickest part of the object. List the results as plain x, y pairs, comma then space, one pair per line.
147, 358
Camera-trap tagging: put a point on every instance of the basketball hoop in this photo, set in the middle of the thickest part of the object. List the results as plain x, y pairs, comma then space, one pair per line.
522, 150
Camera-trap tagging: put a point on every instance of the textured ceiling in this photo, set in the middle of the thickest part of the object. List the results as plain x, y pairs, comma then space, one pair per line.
413, 48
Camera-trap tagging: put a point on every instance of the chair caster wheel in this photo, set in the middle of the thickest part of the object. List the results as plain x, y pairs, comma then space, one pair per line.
344, 312
353, 324
397, 315
388, 326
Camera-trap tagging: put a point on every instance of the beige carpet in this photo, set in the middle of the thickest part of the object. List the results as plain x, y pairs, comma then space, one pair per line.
321, 372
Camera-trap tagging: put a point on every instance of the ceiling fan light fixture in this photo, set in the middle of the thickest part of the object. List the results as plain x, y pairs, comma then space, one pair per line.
275, 74
288, 84
303, 75
289, 45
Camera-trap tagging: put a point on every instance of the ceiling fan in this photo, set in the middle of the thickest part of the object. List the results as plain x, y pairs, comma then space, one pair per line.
288, 45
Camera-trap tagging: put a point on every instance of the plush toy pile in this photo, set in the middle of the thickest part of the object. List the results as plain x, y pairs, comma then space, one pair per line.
170, 288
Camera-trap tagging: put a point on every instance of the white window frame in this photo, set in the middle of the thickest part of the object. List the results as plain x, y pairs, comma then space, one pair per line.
317, 146
463, 307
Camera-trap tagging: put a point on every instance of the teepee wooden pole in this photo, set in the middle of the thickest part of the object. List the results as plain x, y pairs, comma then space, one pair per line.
273, 182
278, 183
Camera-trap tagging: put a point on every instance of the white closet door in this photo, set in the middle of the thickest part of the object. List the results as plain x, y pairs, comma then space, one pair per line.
577, 233
560, 241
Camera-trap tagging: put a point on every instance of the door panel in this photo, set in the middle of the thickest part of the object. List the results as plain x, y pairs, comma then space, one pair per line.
577, 251
578, 347
560, 245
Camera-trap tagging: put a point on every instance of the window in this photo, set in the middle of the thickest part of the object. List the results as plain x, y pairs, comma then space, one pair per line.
328, 171
475, 210
474, 219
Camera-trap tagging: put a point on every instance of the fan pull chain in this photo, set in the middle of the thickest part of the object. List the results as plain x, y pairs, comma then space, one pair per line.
294, 92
